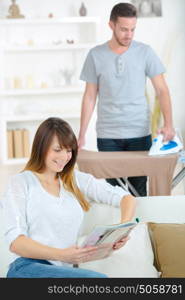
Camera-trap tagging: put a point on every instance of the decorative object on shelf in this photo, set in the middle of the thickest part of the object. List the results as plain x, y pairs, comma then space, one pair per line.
67, 74
30, 42
14, 11
83, 10
148, 8
44, 85
57, 42
29, 82
70, 41
17, 83
56, 79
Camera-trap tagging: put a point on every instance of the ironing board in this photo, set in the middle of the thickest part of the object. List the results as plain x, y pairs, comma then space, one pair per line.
180, 176
159, 169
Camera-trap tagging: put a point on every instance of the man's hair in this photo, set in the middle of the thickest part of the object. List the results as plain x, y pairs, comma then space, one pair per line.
123, 10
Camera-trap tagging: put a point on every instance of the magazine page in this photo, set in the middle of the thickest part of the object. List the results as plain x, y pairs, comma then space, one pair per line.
99, 233
115, 235
104, 237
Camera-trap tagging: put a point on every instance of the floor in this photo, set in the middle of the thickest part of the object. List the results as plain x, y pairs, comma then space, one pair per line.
7, 171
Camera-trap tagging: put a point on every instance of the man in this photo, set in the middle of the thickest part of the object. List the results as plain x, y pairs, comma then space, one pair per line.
116, 71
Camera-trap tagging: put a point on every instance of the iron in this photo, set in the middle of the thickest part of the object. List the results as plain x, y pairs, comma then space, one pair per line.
159, 147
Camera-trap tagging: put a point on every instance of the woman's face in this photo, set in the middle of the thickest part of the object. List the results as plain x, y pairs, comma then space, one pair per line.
57, 157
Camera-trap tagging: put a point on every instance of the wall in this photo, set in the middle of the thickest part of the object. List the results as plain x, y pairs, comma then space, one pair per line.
165, 34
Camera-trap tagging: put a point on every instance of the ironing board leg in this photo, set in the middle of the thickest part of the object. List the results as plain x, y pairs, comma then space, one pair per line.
129, 185
178, 177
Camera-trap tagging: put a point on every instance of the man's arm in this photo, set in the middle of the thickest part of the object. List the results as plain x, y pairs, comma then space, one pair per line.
88, 105
163, 95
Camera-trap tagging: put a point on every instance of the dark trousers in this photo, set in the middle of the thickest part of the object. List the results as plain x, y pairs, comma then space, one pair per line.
131, 144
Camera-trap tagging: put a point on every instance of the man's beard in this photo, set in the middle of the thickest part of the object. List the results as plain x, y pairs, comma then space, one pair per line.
126, 44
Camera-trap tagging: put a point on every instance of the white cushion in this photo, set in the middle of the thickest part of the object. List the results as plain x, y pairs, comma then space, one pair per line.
135, 259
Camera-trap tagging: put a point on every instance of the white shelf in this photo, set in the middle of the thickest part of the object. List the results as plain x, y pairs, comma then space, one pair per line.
15, 62
43, 91
49, 21
16, 161
39, 117
75, 46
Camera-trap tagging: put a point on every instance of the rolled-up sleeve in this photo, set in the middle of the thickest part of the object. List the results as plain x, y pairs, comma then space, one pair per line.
99, 190
14, 209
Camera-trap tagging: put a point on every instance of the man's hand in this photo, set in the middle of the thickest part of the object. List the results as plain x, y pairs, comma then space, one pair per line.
168, 133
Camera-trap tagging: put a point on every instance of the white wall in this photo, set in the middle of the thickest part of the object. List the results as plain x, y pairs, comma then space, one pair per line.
165, 34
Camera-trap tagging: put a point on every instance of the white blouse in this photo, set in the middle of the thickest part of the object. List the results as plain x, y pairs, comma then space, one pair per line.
30, 210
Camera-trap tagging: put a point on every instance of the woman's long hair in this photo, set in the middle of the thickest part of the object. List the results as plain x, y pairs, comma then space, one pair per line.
67, 139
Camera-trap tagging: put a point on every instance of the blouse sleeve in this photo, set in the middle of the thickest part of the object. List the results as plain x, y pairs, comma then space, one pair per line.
99, 190
14, 209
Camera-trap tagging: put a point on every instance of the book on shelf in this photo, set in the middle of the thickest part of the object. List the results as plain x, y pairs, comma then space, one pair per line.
105, 236
18, 143
10, 144
26, 144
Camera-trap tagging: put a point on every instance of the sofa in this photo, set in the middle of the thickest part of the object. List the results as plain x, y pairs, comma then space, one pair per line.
156, 246
161, 219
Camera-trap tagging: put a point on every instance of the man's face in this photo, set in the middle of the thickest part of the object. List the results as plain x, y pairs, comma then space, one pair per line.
123, 30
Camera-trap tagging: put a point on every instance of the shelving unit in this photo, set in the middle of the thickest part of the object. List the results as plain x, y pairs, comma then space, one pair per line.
44, 21
20, 49
41, 48
46, 91
21, 121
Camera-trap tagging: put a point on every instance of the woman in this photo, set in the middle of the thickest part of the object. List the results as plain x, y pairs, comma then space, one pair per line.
44, 207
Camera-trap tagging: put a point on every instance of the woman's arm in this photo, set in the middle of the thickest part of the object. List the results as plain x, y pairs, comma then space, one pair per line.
128, 207
26, 247
102, 192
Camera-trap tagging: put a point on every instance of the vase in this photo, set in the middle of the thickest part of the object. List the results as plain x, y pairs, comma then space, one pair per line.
82, 10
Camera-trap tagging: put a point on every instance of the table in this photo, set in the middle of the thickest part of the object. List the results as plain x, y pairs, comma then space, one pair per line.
159, 169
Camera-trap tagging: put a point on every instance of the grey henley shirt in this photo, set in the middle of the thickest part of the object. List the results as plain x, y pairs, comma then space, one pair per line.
122, 108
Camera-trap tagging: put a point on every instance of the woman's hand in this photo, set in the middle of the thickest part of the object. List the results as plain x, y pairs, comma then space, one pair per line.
76, 255
120, 243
